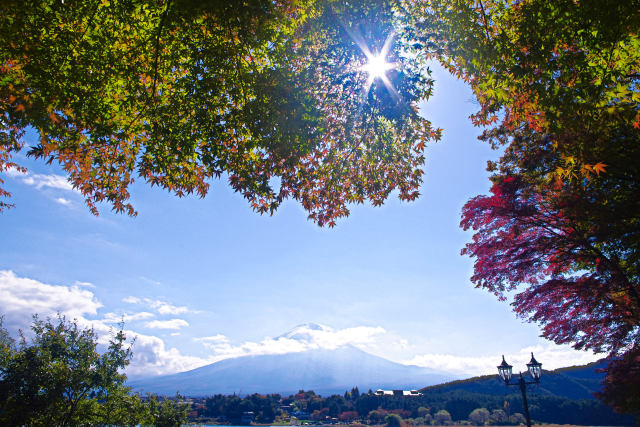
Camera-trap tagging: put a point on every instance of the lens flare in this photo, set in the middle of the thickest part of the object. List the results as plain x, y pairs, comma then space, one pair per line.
377, 67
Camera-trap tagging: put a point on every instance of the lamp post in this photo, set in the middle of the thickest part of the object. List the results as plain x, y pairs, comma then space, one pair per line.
535, 370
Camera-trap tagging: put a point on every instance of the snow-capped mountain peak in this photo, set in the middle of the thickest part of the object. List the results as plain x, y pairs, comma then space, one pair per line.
307, 332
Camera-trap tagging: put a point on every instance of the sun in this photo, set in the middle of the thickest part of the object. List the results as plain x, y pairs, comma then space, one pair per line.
377, 66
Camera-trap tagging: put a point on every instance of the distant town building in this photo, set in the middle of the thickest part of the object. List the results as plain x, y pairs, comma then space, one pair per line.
397, 393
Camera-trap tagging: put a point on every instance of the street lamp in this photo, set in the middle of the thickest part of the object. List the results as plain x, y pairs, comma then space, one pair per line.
535, 370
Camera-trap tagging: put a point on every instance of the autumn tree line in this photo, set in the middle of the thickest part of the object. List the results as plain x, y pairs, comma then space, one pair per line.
58, 374
430, 409
272, 97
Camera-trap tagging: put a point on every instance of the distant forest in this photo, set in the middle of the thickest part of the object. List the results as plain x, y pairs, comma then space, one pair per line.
434, 407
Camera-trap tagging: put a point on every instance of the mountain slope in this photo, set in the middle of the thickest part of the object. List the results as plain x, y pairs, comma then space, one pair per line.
324, 371
576, 382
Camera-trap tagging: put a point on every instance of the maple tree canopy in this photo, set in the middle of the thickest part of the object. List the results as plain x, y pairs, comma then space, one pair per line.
275, 96
558, 88
271, 94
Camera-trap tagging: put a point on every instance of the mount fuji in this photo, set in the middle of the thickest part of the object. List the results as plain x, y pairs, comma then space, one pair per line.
324, 370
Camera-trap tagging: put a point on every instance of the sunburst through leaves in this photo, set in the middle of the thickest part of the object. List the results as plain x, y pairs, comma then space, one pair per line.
377, 65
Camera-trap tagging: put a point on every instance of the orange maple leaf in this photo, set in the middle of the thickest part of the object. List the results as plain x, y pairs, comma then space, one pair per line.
599, 167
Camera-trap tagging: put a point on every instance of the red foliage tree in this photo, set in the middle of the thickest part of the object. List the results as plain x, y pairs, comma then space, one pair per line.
348, 416
621, 383
578, 269
320, 414
581, 289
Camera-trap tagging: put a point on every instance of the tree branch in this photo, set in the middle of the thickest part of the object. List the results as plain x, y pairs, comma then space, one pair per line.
484, 18
157, 50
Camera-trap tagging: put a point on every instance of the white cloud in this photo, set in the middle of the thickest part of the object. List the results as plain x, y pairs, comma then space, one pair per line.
302, 338
21, 297
126, 317
162, 307
551, 356
359, 335
213, 339
166, 308
152, 357
167, 324
53, 181
14, 173
45, 181
85, 284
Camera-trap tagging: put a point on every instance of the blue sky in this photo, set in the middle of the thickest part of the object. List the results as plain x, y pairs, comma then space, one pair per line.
198, 280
